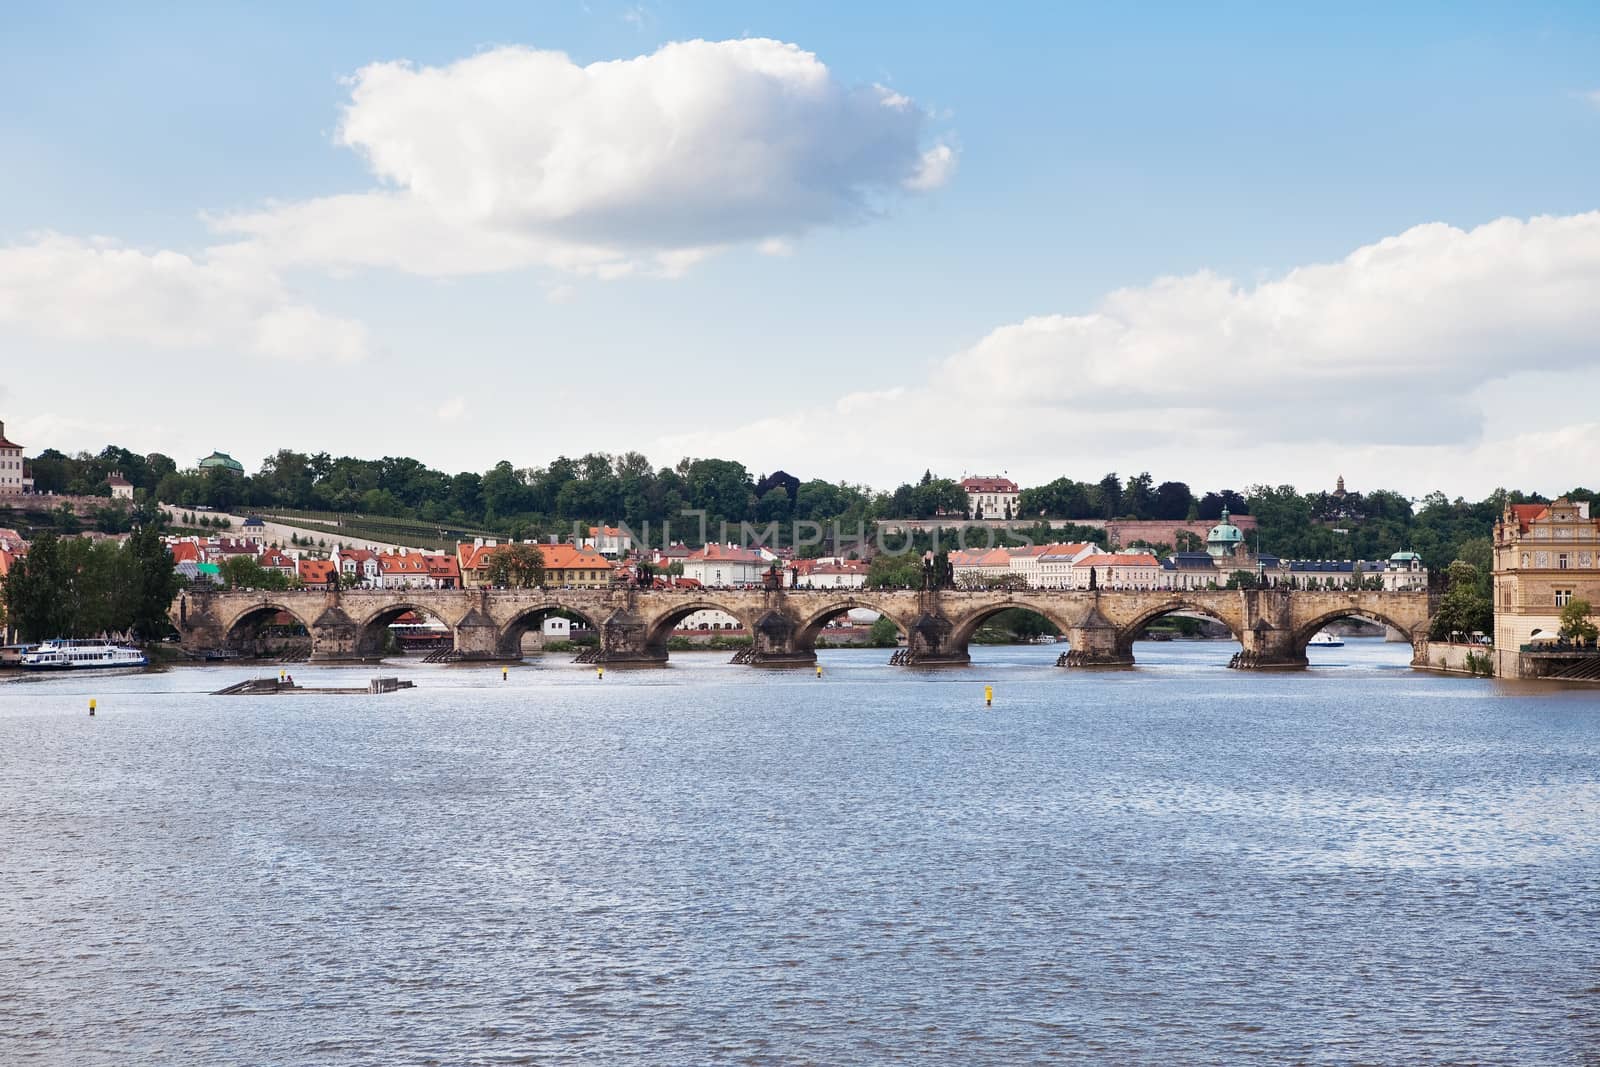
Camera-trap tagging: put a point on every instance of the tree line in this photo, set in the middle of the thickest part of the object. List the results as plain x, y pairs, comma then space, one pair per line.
78, 587
530, 501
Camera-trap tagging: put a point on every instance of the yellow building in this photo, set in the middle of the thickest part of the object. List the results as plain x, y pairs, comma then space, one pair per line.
564, 565
1545, 555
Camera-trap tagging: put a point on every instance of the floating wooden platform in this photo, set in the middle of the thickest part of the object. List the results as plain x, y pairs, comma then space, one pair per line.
272, 687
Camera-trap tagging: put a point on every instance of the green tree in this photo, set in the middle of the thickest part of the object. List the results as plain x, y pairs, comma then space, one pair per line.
1575, 624
895, 572
884, 634
774, 506
519, 566
1463, 609
243, 572
148, 582
34, 601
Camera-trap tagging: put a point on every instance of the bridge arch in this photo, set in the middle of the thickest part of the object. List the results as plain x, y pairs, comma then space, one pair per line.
372, 631
243, 631
663, 624
1307, 629
1128, 632
810, 625
967, 625
508, 641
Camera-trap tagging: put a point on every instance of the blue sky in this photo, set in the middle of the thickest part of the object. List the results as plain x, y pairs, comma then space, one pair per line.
1092, 150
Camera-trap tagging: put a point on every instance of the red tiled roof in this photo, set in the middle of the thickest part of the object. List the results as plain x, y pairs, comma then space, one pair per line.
989, 485
556, 557
978, 557
318, 571
715, 553
402, 563
1526, 513
442, 566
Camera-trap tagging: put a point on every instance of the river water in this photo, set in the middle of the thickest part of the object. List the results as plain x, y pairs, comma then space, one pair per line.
710, 863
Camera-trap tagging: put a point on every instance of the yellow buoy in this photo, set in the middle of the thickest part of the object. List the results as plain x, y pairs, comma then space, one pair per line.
91, 707
599, 673
503, 671
819, 670
988, 696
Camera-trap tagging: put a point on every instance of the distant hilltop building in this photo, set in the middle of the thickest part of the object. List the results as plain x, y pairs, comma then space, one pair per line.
11, 479
121, 488
991, 498
221, 461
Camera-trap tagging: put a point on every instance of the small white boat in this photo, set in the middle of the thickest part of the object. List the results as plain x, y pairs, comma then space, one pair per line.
1324, 640
65, 655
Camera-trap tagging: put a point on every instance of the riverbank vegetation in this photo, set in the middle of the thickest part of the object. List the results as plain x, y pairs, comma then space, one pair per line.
76, 587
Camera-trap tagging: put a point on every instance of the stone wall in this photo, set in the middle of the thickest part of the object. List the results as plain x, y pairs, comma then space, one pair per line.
1449, 658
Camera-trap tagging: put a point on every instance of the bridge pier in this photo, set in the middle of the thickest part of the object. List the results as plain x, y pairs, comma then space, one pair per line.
477, 637
775, 642
1096, 642
931, 642
1269, 648
625, 642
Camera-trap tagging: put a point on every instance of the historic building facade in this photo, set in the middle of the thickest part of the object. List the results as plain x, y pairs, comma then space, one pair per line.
1545, 556
991, 498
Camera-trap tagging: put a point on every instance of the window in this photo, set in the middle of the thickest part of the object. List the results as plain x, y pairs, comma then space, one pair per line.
1563, 597
1561, 561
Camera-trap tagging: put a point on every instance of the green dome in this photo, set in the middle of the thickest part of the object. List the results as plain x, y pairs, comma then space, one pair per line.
1224, 537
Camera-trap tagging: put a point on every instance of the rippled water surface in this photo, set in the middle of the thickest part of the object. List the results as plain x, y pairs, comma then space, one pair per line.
1177, 864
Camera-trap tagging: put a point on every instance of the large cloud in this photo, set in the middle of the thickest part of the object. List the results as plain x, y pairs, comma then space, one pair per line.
98, 290
1393, 350
517, 156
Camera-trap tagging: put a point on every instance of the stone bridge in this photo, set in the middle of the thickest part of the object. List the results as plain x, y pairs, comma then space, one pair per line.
1272, 625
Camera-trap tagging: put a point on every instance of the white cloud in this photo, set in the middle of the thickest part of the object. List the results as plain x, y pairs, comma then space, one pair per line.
94, 291
452, 409
1593, 96
934, 169
516, 157
1386, 357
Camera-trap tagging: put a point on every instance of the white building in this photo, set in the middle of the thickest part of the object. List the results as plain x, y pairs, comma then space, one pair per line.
847, 574
709, 619
725, 565
359, 565
1029, 563
991, 498
1122, 570
609, 541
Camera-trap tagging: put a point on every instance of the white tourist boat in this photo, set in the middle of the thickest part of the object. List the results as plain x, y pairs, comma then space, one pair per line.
67, 655
1324, 640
